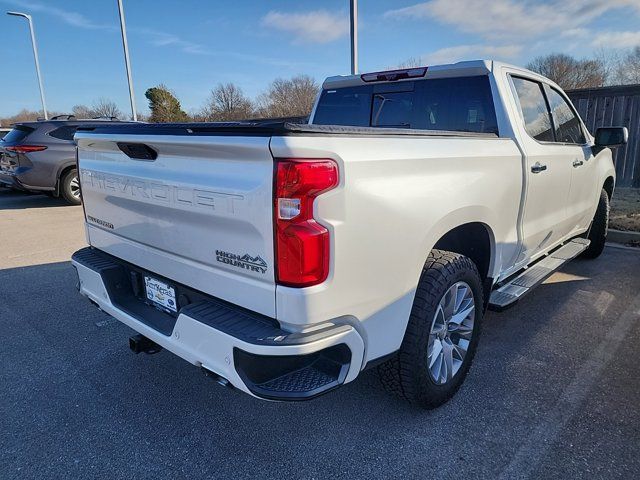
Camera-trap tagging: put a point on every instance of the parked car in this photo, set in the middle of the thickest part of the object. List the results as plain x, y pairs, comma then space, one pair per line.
3, 132
284, 259
40, 157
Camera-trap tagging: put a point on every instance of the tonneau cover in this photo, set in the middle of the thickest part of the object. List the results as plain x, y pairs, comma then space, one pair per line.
262, 129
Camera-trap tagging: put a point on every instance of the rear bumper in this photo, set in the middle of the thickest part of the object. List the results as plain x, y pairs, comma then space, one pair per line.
245, 348
14, 180
10, 180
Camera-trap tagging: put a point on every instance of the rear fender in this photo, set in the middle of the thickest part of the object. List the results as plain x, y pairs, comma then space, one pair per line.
457, 218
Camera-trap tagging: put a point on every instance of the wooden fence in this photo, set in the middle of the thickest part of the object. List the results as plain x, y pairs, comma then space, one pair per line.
614, 106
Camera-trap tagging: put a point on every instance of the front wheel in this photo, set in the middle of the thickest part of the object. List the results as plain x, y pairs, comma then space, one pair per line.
598, 232
442, 334
70, 187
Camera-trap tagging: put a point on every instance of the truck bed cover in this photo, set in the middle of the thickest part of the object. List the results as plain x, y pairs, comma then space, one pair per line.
267, 130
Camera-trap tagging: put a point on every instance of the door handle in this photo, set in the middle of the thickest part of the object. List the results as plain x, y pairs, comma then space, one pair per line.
578, 163
538, 167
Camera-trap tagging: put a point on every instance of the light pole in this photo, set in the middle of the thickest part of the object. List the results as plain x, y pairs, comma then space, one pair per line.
127, 63
354, 37
35, 56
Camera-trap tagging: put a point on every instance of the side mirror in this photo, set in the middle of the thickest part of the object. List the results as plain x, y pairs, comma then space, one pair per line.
611, 136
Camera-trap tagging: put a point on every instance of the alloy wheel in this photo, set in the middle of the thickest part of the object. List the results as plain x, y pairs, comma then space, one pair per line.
451, 332
74, 186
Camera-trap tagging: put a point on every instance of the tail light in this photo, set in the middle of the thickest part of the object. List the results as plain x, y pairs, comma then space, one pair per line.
302, 245
26, 148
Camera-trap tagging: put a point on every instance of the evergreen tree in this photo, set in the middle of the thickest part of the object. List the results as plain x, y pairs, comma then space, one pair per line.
164, 106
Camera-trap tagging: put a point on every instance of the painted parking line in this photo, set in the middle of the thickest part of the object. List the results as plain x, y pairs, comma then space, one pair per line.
534, 449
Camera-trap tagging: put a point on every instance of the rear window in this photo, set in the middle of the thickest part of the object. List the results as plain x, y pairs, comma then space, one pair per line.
392, 109
64, 133
18, 134
462, 104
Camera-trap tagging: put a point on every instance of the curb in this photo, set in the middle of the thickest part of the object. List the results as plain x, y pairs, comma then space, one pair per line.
620, 236
619, 246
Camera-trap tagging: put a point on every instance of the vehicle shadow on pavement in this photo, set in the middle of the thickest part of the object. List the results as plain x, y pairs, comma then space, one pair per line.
72, 391
14, 200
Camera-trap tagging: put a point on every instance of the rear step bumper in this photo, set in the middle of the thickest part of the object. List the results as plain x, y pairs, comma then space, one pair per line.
245, 348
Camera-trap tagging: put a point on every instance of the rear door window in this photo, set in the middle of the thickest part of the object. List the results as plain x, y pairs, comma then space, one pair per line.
18, 134
534, 109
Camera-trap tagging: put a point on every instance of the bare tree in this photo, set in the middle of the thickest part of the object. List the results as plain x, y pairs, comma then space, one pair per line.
609, 60
288, 98
105, 108
227, 103
628, 68
197, 115
100, 108
25, 115
411, 62
569, 72
82, 111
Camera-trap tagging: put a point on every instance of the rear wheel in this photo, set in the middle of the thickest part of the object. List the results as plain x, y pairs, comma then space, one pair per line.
442, 334
599, 226
70, 187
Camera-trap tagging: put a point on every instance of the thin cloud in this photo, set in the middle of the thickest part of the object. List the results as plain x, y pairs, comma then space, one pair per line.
79, 20
75, 19
317, 26
495, 19
618, 39
164, 39
465, 52
155, 38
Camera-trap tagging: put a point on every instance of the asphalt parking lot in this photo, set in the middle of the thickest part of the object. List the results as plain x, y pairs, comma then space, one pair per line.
554, 391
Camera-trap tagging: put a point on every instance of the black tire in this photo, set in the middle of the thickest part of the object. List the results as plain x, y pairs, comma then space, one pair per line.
599, 227
407, 373
68, 187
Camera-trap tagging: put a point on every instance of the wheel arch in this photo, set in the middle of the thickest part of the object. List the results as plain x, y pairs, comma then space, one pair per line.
62, 171
609, 185
474, 240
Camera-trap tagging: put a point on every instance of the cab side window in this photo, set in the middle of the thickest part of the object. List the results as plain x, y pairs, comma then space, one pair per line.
567, 125
533, 105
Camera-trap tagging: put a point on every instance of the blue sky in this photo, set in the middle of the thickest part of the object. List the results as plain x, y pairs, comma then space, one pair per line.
192, 45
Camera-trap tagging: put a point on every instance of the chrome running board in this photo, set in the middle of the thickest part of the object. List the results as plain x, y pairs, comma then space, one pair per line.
507, 294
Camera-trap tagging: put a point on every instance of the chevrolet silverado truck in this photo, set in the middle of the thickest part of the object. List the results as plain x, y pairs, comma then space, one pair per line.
284, 259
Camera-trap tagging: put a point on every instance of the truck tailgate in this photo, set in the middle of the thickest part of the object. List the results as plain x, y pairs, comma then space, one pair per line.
200, 213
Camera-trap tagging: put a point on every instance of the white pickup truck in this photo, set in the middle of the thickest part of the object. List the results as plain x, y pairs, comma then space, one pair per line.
285, 259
